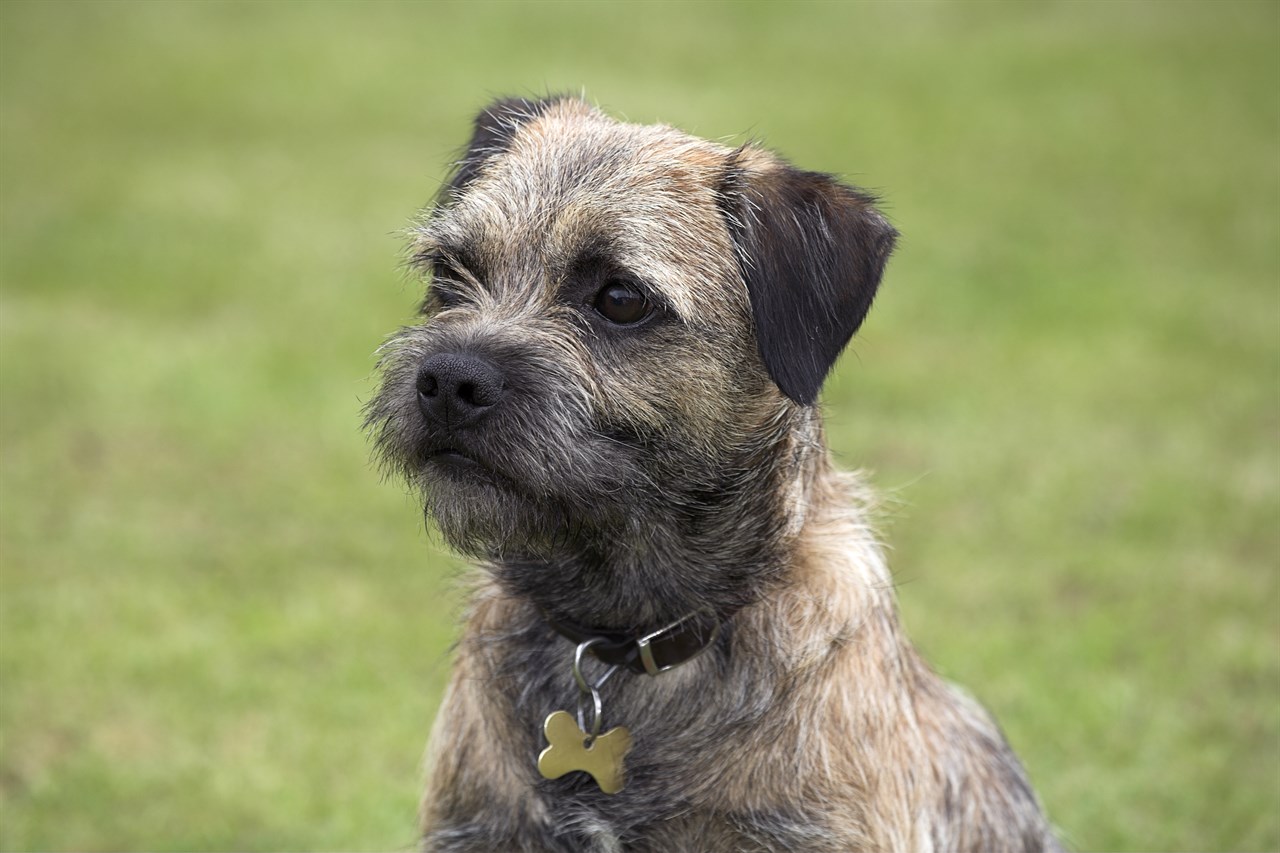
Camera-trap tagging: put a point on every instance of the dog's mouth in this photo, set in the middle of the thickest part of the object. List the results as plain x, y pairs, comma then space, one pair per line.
453, 459
462, 466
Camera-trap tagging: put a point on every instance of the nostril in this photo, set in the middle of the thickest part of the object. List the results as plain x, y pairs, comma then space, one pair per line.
480, 394
428, 385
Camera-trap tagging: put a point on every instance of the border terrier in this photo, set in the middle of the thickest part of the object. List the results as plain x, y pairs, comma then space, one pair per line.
610, 403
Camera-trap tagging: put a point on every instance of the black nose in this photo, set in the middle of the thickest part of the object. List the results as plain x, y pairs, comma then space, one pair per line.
455, 390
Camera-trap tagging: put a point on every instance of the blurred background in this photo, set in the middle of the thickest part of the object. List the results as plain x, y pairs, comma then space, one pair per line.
220, 630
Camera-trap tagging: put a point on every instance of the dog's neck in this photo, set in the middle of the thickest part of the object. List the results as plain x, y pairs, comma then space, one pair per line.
715, 552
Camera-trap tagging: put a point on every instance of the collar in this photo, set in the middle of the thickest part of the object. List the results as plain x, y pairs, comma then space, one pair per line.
652, 652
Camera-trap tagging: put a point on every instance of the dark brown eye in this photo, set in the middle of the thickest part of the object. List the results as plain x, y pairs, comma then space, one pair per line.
621, 303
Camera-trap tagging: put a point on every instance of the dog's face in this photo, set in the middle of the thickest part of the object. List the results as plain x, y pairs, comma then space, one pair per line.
624, 327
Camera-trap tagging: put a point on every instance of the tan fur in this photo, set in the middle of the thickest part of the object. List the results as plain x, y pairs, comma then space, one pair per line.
859, 728
813, 724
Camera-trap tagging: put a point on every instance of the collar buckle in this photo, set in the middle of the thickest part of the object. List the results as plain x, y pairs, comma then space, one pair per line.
674, 632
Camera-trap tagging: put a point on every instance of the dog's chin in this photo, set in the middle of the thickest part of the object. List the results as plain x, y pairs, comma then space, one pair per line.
459, 485
479, 511
499, 501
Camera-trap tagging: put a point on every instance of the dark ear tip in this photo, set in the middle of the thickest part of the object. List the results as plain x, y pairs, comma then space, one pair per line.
796, 373
800, 395
888, 237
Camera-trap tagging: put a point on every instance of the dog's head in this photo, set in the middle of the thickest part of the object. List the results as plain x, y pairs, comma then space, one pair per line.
624, 327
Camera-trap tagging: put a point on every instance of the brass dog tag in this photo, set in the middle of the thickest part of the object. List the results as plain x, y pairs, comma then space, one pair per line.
568, 752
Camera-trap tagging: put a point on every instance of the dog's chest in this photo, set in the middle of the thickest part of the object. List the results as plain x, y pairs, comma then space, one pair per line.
623, 828
673, 769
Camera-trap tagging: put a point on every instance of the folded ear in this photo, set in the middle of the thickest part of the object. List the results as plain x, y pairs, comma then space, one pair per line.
494, 128
812, 251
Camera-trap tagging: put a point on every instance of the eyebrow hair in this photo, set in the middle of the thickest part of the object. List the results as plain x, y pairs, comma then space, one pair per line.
595, 252
460, 257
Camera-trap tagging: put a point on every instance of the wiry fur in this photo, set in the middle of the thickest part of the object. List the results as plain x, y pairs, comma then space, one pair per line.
631, 475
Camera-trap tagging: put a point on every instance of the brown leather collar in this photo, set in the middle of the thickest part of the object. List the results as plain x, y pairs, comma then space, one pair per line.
652, 652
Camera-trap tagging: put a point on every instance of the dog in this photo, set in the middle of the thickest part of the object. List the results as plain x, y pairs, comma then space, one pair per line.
610, 404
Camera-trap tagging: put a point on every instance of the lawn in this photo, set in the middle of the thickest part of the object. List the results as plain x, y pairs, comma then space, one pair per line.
220, 630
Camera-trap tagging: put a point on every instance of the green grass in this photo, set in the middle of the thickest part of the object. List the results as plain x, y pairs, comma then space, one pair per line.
220, 631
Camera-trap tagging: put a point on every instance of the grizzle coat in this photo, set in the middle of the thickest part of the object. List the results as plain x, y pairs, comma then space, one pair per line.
610, 404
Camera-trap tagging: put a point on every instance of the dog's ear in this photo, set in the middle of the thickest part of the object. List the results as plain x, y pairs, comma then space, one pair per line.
812, 251
492, 132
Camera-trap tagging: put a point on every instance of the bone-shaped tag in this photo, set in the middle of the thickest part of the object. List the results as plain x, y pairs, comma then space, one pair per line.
566, 753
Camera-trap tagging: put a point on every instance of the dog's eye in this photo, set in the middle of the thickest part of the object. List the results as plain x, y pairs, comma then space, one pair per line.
621, 303
444, 280
444, 295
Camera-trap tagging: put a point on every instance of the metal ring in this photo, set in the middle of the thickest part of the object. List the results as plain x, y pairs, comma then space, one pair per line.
596, 718
586, 688
583, 686
607, 674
